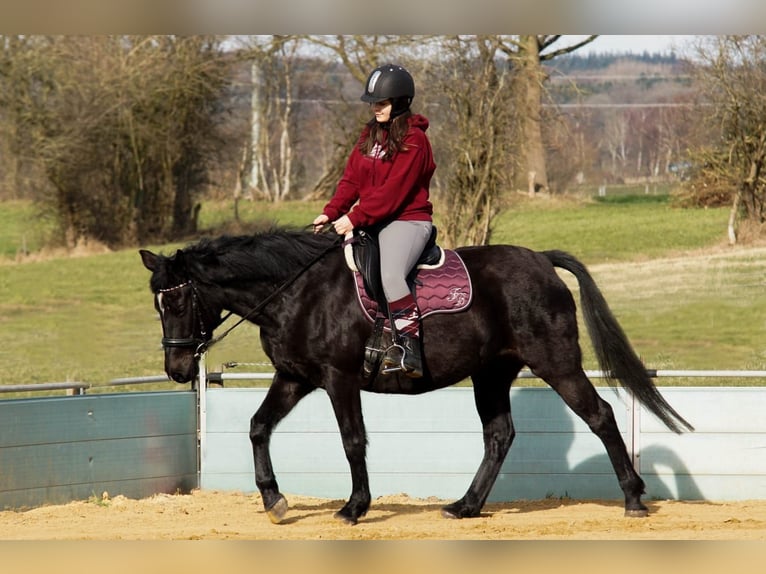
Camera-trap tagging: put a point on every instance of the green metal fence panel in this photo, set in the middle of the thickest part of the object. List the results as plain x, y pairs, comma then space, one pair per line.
55, 450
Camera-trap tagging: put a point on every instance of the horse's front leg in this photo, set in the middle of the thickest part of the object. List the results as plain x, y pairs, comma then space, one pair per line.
346, 401
283, 395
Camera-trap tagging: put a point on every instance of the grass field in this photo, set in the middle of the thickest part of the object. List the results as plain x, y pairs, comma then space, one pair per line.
685, 300
22, 229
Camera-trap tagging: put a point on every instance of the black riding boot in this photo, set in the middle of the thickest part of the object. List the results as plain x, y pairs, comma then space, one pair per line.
412, 362
405, 355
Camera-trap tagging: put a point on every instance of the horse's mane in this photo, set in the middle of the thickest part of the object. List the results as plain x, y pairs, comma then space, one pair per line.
274, 254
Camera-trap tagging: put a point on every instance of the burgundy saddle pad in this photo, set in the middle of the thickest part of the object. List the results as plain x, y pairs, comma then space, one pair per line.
443, 289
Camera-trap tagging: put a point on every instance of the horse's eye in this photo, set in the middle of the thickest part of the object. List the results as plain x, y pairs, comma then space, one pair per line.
177, 307
171, 304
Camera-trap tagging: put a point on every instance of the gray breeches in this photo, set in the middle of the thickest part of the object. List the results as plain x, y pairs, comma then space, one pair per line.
401, 243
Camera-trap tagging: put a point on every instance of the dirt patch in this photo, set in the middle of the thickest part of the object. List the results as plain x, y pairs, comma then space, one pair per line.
211, 515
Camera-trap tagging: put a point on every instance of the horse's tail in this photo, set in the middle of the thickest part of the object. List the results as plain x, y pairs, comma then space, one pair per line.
615, 355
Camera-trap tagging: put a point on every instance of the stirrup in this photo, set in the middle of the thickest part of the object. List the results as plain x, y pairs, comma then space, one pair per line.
390, 365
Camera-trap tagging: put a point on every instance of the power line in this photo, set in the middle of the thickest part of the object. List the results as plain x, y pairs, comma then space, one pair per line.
633, 105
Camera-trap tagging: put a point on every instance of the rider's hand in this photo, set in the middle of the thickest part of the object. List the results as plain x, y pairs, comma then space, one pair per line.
319, 220
343, 225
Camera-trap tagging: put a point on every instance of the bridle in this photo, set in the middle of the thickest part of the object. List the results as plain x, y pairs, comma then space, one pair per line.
204, 342
199, 344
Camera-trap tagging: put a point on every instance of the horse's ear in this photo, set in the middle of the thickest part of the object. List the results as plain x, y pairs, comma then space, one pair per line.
149, 259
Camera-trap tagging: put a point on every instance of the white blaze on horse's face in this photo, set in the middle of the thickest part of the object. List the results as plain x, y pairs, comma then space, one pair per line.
178, 315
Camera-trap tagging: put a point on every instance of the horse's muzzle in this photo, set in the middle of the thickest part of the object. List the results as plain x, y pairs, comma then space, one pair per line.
181, 363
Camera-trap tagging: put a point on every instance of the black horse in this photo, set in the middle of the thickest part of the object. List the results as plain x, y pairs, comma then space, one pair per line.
297, 287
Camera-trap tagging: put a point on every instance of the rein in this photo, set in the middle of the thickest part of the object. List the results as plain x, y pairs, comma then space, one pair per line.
205, 345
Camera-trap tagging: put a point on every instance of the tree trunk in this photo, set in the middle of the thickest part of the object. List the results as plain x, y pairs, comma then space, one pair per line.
732, 225
325, 187
255, 127
532, 77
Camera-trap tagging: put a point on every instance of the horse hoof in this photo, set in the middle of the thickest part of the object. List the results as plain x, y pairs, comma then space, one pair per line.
278, 511
637, 513
449, 515
345, 519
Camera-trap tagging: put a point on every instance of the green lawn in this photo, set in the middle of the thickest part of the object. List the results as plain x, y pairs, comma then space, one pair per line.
22, 229
612, 230
91, 319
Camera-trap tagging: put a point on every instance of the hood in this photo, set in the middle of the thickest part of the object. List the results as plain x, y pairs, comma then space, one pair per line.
418, 121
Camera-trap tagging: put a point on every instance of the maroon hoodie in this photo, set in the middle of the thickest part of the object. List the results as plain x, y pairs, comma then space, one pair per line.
387, 189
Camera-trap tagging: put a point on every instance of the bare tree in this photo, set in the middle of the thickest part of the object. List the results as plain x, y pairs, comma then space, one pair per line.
733, 79
123, 127
616, 140
527, 54
270, 151
12, 50
474, 135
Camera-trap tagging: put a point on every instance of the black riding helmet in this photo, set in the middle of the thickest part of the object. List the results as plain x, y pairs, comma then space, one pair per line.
393, 82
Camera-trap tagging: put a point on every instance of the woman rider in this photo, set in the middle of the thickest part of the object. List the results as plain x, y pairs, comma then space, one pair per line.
385, 185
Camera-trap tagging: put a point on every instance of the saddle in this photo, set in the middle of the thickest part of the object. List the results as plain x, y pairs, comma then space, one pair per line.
439, 281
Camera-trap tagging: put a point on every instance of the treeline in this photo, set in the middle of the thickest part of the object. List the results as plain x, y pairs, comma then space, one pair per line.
574, 62
119, 137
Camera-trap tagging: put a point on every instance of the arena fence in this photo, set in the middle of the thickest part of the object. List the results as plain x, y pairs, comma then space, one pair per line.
431, 444
57, 449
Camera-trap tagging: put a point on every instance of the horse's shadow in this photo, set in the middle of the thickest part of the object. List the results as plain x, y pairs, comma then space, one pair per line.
383, 511
665, 473
576, 479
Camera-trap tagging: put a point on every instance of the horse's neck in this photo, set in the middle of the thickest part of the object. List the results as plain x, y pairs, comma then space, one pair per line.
275, 300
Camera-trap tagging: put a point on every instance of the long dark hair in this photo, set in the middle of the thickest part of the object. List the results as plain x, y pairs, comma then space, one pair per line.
389, 135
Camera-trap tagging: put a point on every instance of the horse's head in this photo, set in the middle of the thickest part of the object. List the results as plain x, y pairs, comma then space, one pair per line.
187, 320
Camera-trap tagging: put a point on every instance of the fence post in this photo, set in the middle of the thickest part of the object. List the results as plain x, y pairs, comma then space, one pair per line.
201, 419
634, 423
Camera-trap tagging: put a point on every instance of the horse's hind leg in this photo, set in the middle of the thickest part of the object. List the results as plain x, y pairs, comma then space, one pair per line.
283, 395
491, 394
578, 392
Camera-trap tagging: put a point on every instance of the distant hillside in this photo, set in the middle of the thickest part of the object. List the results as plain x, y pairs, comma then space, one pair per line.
610, 79
575, 63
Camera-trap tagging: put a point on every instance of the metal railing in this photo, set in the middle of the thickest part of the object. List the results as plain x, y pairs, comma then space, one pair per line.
72, 388
75, 388
220, 377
